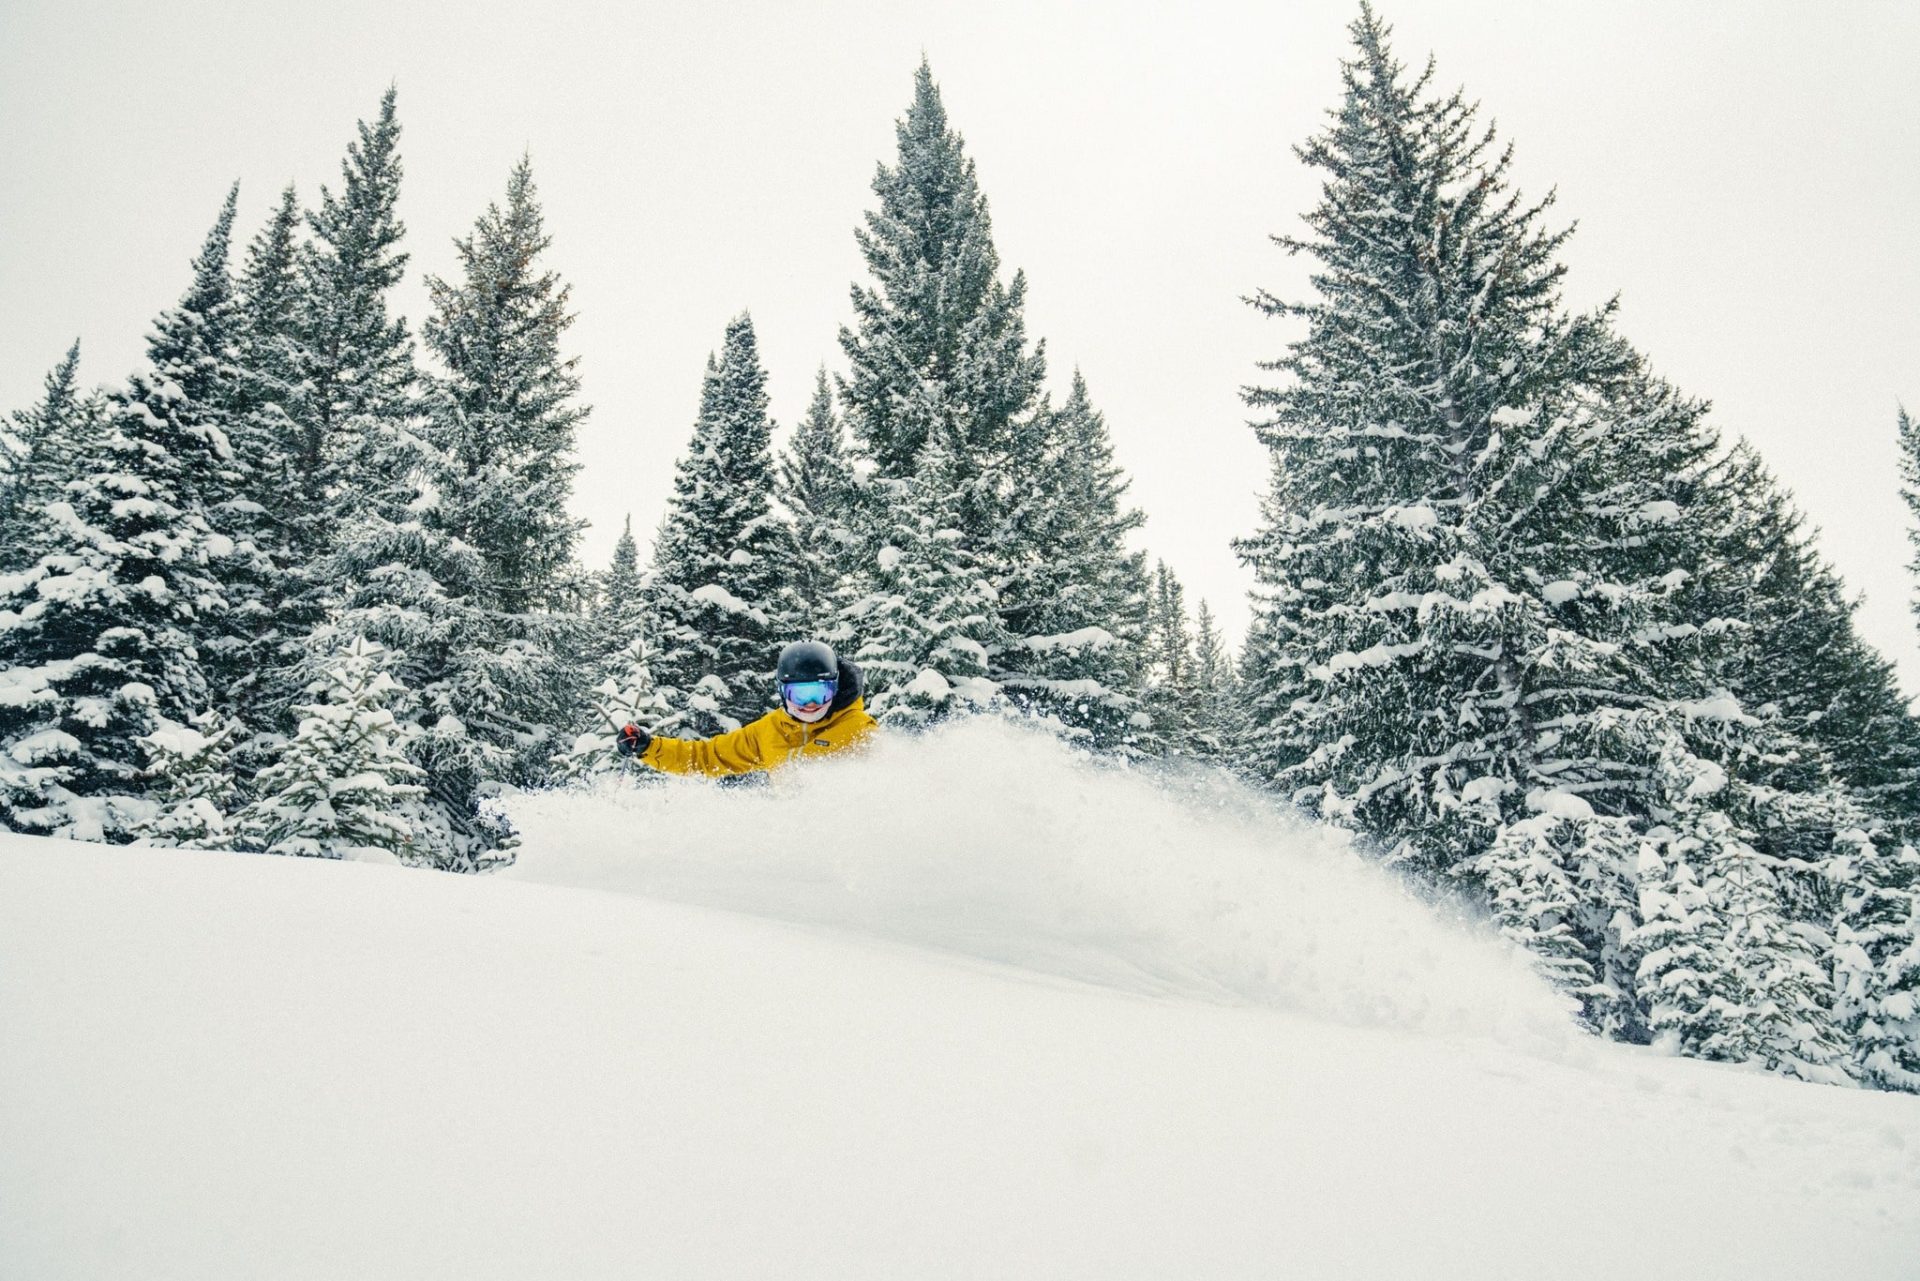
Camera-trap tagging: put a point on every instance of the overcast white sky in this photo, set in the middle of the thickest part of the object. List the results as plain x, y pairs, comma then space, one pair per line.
1746, 176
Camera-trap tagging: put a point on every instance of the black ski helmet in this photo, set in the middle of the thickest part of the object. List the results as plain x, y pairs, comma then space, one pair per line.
806, 661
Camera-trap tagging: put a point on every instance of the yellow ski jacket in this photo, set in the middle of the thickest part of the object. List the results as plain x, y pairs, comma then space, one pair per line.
769, 742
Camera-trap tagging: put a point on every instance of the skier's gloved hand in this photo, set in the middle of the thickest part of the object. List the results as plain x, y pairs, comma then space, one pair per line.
632, 740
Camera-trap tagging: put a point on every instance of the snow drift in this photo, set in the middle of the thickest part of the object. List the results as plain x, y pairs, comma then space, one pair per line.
971, 1007
999, 842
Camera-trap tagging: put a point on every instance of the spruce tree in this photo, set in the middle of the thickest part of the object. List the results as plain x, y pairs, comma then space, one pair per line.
929, 624
405, 586
1876, 966
1417, 412
196, 790
344, 787
1824, 688
720, 594
199, 381
495, 470
352, 451
618, 618
1215, 710
819, 491
100, 636
505, 412
1547, 876
1763, 997
1171, 694
1481, 630
268, 621
1071, 597
355, 363
939, 342
938, 351
40, 451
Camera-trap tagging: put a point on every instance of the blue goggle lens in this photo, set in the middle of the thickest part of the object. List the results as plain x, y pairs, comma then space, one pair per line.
808, 693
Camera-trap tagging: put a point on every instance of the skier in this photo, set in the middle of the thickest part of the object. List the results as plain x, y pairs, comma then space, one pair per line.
821, 710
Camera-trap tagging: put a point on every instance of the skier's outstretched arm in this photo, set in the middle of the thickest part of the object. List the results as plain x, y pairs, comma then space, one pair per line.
736, 752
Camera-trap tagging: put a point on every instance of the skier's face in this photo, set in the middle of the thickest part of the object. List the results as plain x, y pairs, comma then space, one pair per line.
807, 701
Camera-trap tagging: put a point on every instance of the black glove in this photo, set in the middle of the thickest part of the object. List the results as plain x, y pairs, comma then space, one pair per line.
632, 740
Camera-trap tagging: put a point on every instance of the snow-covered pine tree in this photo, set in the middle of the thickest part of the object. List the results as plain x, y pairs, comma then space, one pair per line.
40, 449
1552, 880
198, 384
1072, 598
1834, 767
1832, 700
268, 617
1215, 709
721, 595
629, 696
195, 788
929, 624
407, 587
618, 618
1483, 517
500, 423
356, 364
939, 341
939, 349
1395, 648
819, 491
505, 414
344, 787
99, 636
1876, 966
1764, 998
354, 387
619, 664
1171, 696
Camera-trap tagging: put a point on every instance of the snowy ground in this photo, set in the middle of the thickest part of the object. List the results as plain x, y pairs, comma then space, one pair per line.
974, 1009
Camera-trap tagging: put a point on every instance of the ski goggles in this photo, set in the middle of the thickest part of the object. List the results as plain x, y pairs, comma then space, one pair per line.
809, 694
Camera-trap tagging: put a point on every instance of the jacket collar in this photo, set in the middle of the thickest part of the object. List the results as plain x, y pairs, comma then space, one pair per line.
798, 729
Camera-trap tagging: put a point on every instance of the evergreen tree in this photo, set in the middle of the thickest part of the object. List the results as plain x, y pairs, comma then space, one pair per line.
721, 595
356, 364
1548, 876
628, 697
199, 382
818, 489
353, 452
496, 663
99, 637
1828, 695
939, 342
929, 624
939, 352
344, 787
1876, 964
408, 588
1417, 413
1484, 632
619, 615
40, 451
1072, 598
505, 413
1763, 998
1215, 712
194, 783
267, 618
1171, 696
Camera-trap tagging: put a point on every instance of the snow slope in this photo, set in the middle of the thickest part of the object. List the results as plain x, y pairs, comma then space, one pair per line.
978, 1009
